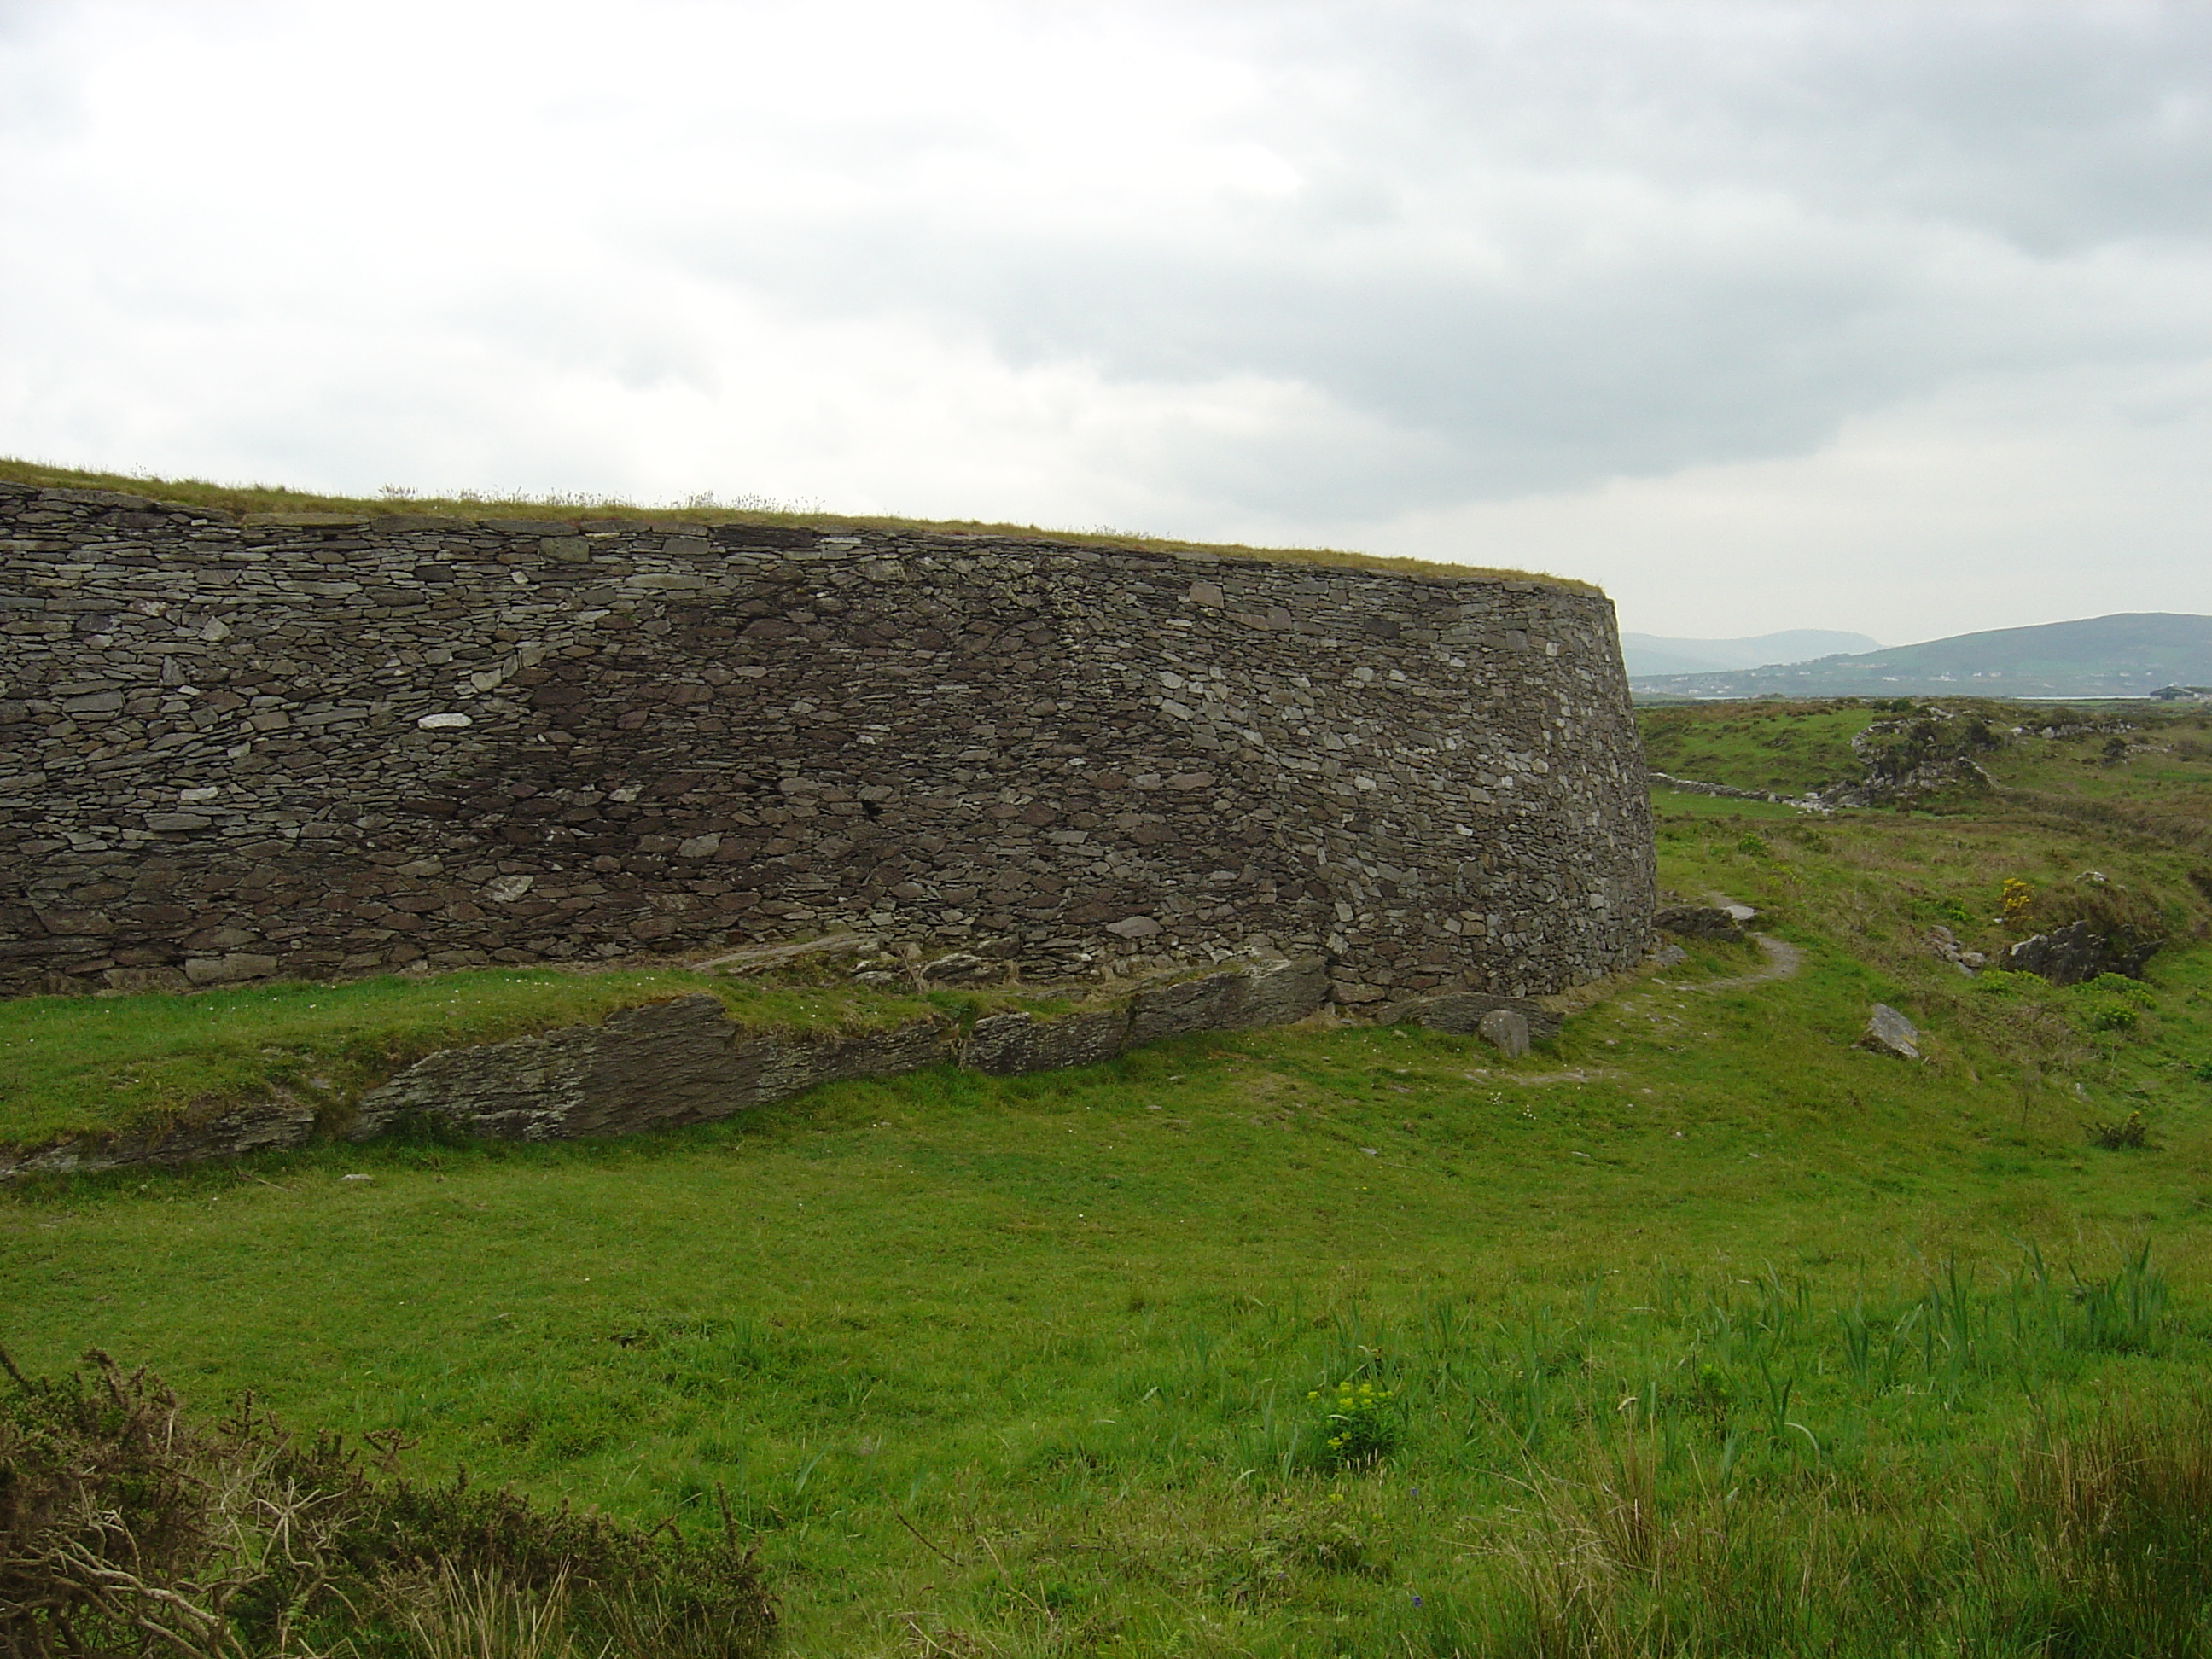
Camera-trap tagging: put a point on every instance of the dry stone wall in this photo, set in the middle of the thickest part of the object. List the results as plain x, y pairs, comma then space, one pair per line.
665, 1065
324, 746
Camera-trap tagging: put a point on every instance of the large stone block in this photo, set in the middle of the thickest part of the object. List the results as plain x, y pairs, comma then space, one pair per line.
1888, 1032
1240, 999
1506, 1030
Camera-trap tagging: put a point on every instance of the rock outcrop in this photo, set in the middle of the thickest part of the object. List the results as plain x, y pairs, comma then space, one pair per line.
1463, 1014
1888, 1032
1702, 922
2076, 952
279, 1121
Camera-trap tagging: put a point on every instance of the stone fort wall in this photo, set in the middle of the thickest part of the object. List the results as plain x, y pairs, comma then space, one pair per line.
324, 747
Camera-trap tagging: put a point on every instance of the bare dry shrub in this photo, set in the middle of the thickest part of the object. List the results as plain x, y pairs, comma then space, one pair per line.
124, 1528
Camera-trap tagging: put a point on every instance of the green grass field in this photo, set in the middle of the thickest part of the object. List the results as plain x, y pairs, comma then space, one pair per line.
1696, 1331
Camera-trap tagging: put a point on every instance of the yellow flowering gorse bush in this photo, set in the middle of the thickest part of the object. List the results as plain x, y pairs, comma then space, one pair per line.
1363, 1428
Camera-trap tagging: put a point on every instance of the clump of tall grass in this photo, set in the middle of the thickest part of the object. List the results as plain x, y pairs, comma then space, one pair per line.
2088, 1539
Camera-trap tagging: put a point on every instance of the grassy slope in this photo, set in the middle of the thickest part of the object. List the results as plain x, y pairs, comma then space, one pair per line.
1066, 1326
241, 499
2163, 767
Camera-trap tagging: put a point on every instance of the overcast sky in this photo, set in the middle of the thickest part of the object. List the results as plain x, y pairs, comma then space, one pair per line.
1896, 318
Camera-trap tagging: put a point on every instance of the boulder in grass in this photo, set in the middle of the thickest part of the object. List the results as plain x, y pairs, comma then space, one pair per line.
1888, 1032
1506, 1030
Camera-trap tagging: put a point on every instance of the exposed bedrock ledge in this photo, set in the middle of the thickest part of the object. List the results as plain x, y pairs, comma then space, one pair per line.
666, 1064
673, 1063
663, 1065
281, 1120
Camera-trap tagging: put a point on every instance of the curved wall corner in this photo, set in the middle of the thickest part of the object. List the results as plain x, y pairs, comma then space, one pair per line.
322, 747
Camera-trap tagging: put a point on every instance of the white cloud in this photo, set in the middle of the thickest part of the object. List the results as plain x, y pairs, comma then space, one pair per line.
1760, 314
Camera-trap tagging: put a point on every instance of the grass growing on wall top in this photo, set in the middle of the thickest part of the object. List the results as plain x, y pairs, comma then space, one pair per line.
240, 499
78, 1065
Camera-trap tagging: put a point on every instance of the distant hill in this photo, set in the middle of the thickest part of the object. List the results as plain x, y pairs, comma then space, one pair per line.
1654, 653
2122, 656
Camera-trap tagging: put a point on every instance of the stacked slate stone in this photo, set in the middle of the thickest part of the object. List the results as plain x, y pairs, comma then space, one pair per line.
323, 746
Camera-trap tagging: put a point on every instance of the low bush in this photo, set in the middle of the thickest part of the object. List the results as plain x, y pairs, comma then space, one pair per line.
2128, 1133
128, 1528
2109, 1013
1361, 1424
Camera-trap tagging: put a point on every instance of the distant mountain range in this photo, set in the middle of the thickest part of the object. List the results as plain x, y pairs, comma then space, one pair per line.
1650, 654
2122, 656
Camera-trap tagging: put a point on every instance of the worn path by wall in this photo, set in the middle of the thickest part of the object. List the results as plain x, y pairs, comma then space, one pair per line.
232, 751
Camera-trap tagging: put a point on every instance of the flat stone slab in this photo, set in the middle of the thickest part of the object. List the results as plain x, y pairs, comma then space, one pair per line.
760, 957
1004, 1045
